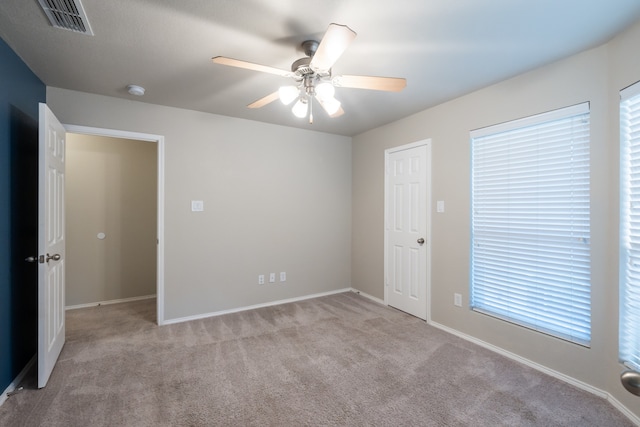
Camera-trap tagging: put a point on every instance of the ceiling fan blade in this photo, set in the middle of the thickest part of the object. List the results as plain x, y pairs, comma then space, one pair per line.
390, 84
264, 101
333, 44
250, 66
326, 107
338, 113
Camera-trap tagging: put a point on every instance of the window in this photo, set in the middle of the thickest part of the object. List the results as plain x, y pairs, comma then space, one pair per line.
530, 232
630, 227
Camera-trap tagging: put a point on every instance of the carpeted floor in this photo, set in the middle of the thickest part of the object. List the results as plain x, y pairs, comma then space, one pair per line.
339, 360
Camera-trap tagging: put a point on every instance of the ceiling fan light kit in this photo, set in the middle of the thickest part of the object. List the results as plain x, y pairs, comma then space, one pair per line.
325, 90
313, 77
288, 94
331, 106
300, 108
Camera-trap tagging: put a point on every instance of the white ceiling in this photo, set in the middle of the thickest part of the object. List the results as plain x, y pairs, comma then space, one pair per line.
444, 48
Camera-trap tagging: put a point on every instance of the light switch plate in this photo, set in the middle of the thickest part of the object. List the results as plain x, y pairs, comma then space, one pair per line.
197, 206
440, 206
457, 300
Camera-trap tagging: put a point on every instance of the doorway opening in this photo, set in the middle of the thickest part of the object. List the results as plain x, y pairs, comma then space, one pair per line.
115, 211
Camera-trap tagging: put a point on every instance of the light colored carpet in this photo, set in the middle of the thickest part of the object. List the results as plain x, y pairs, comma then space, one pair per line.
337, 360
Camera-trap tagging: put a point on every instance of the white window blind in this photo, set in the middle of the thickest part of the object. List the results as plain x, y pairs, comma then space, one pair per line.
530, 251
630, 227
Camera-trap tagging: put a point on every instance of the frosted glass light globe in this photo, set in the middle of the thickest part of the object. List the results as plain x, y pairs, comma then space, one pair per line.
331, 106
287, 94
300, 108
325, 90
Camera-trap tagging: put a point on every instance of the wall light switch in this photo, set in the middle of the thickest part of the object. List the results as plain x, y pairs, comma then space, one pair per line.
272, 277
440, 206
283, 276
197, 206
457, 300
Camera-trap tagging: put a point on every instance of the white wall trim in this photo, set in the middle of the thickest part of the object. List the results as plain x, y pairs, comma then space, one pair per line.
581, 385
566, 378
159, 139
625, 411
16, 382
252, 307
108, 302
366, 295
584, 386
114, 133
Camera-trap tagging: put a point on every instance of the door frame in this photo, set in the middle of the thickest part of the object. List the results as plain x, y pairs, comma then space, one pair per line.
387, 152
158, 139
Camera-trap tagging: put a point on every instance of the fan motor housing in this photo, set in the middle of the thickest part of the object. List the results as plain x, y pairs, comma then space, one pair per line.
301, 66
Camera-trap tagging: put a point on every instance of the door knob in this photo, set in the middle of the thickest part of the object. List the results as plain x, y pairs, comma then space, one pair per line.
31, 258
421, 241
55, 257
631, 381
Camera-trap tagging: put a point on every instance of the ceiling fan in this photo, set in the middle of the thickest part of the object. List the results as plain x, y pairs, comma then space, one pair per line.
313, 77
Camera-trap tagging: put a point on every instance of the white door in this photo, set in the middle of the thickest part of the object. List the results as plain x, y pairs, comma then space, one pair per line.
406, 220
51, 243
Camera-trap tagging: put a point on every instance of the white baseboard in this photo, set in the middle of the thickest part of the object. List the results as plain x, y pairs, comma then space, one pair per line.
366, 295
16, 382
113, 301
566, 378
251, 307
534, 365
625, 411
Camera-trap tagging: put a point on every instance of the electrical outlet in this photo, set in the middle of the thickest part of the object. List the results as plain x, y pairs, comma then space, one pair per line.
261, 279
272, 277
457, 300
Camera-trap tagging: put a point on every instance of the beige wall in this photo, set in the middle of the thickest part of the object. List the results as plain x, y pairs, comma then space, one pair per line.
110, 188
595, 76
276, 199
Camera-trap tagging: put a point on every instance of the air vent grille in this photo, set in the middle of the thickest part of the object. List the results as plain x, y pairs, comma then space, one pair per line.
67, 14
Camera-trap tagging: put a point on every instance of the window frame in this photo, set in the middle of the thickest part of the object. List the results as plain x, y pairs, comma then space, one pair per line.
580, 333
629, 331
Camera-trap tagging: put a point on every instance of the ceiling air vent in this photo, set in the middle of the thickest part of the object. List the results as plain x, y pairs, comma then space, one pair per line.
67, 14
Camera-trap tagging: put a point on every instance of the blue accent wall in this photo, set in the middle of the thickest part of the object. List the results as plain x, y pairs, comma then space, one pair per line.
20, 93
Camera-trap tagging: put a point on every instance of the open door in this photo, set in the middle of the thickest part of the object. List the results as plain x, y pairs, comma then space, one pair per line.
51, 243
